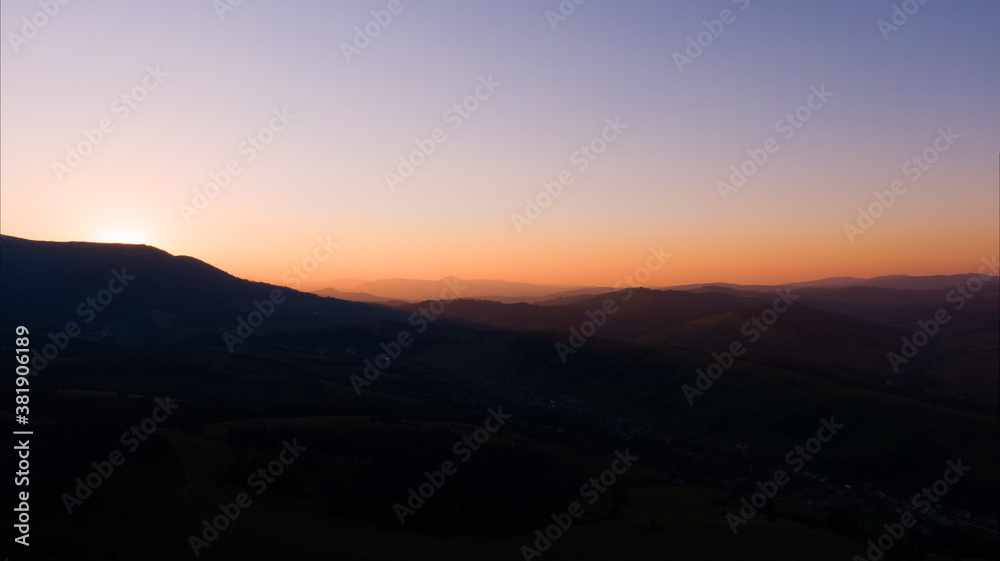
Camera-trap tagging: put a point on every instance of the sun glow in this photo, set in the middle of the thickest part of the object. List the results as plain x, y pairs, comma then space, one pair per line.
123, 234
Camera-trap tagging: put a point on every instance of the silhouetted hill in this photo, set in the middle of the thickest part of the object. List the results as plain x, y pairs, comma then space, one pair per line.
898, 282
706, 320
413, 290
359, 297
49, 283
895, 306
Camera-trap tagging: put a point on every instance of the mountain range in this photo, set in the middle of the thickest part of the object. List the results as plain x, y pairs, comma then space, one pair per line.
380, 393
848, 324
414, 290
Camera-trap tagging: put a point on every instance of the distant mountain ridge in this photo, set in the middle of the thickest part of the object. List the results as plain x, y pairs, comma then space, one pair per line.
412, 290
899, 282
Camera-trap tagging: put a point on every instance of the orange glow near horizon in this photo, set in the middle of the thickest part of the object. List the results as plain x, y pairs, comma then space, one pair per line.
654, 181
761, 261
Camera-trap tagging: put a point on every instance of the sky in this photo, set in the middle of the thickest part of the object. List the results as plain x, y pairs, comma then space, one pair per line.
416, 137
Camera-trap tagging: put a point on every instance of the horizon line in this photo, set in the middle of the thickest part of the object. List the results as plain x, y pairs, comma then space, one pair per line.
480, 279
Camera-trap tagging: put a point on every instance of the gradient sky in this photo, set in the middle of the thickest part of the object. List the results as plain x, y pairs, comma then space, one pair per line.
324, 174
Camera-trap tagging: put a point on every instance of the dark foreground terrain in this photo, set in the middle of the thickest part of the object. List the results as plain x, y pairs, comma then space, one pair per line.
456, 430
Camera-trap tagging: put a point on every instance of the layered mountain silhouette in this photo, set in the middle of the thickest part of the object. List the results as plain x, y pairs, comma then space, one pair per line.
379, 393
415, 290
850, 327
47, 281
